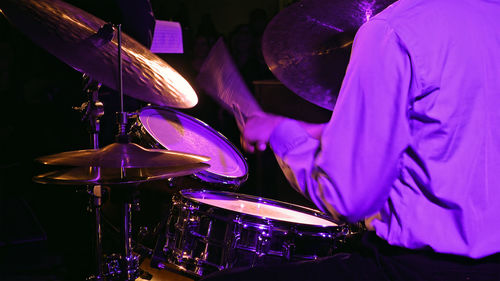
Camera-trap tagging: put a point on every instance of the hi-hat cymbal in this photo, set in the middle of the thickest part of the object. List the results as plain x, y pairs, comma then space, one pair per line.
116, 176
70, 34
307, 45
123, 155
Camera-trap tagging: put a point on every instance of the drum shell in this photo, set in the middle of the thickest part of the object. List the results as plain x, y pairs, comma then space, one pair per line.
201, 238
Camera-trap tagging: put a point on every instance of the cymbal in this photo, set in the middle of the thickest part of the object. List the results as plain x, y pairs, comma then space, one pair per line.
70, 34
112, 176
123, 155
307, 45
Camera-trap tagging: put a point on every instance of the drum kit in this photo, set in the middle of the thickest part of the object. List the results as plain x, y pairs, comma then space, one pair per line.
206, 230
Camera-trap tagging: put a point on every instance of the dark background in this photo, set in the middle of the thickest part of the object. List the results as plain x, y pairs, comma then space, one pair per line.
46, 230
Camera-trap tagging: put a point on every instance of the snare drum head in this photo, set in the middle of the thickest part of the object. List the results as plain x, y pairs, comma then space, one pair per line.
179, 132
260, 207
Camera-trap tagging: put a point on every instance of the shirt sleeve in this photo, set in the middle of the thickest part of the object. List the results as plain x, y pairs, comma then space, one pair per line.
351, 169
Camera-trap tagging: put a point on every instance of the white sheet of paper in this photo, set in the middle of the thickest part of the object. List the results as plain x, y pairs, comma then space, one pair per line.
167, 37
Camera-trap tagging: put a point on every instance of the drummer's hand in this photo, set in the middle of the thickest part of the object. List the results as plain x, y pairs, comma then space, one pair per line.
258, 129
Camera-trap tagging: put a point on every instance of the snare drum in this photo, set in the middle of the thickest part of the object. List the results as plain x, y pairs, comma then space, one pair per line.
165, 128
212, 230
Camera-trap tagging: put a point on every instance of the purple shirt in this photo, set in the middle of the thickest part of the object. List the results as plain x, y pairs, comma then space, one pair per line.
415, 134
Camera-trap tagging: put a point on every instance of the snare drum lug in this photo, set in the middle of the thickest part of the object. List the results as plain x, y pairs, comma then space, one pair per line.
288, 250
236, 233
232, 239
263, 243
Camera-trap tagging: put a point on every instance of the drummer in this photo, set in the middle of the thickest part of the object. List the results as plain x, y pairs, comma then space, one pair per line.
412, 147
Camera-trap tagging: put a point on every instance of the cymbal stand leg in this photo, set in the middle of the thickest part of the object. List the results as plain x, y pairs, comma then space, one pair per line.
131, 260
97, 195
127, 228
92, 110
95, 110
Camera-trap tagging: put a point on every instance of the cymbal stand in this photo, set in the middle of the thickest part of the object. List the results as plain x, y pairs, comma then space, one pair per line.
122, 115
92, 110
131, 261
96, 194
125, 266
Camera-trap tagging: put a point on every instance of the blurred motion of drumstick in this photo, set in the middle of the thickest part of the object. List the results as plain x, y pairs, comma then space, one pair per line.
220, 78
240, 119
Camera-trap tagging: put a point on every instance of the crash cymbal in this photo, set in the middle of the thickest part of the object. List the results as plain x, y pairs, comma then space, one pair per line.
116, 176
70, 34
307, 45
123, 155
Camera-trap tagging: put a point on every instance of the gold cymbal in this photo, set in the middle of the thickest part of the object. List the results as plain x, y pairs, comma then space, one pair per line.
123, 155
307, 45
71, 35
112, 176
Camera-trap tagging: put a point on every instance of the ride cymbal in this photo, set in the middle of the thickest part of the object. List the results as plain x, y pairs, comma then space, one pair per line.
308, 44
76, 38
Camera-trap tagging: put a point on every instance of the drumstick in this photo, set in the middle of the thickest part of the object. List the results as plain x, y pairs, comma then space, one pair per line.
220, 78
240, 119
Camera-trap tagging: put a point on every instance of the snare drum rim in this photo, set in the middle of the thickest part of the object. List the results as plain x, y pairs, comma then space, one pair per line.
301, 227
203, 175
